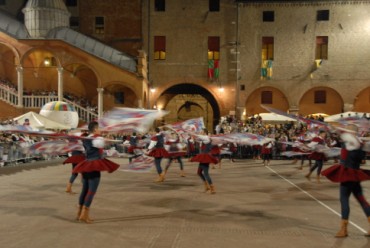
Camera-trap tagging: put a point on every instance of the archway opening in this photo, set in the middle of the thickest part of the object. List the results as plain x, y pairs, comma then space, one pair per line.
187, 101
362, 101
268, 96
321, 100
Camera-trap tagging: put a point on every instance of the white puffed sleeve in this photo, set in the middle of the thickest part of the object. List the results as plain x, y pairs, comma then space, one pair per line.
204, 139
350, 141
98, 142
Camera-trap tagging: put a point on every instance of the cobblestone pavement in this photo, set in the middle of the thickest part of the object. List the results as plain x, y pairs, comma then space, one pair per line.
255, 206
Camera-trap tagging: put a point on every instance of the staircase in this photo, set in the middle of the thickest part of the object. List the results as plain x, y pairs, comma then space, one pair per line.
37, 102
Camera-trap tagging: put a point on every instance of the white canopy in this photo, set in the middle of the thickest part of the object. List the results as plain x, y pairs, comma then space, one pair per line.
274, 117
349, 114
39, 121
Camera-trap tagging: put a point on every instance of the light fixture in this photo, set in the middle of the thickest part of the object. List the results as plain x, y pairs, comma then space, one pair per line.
152, 89
221, 89
47, 61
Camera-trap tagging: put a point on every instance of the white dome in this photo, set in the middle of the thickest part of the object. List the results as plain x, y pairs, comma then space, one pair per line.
41, 16
54, 4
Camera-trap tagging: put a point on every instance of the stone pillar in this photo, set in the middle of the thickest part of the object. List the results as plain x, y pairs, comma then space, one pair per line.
100, 101
60, 84
20, 86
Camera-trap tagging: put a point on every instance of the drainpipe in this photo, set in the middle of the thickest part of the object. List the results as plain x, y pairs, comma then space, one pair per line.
237, 90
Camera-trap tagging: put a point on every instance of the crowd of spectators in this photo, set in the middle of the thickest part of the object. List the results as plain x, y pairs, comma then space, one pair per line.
79, 100
282, 133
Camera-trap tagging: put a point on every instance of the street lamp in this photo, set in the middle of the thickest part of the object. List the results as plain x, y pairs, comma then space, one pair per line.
152, 91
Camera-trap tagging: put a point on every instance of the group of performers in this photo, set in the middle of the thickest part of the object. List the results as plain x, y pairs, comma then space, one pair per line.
170, 145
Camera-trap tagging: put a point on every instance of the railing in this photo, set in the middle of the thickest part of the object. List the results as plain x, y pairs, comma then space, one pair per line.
83, 113
11, 97
8, 95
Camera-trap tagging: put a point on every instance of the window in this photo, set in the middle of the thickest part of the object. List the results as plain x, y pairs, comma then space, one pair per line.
71, 3
242, 87
74, 22
160, 47
266, 97
214, 5
160, 5
321, 47
214, 47
99, 25
119, 97
268, 16
2, 2
322, 15
267, 48
320, 96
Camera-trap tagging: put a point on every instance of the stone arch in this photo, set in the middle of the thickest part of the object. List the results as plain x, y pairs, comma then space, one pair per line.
80, 80
188, 110
278, 100
9, 61
116, 94
362, 101
175, 97
333, 102
40, 76
36, 56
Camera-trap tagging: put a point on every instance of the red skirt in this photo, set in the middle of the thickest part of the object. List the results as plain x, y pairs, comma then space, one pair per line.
158, 153
96, 165
176, 154
215, 150
75, 159
204, 158
131, 149
317, 156
338, 173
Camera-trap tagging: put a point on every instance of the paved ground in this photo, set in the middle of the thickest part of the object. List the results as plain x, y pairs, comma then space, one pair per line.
255, 206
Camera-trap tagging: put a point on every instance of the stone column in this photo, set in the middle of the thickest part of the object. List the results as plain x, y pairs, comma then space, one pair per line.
20, 85
60, 83
100, 101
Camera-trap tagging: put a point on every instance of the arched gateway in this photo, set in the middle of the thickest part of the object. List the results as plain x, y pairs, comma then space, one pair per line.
187, 101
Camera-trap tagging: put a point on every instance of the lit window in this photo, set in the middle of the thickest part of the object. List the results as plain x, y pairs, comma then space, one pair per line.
160, 5
214, 47
322, 47
214, 5
267, 48
268, 16
99, 25
320, 96
322, 15
160, 47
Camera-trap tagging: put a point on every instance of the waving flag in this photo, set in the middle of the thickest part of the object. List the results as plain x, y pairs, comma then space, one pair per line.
54, 147
240, 138
311, 123
189, 126
129, 120
142, 163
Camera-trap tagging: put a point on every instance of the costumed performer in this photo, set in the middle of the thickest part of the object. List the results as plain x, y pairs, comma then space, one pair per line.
156, 150
319, 157
349, 175
91, 169
205, 158
133, 144
77, 157
176, 151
